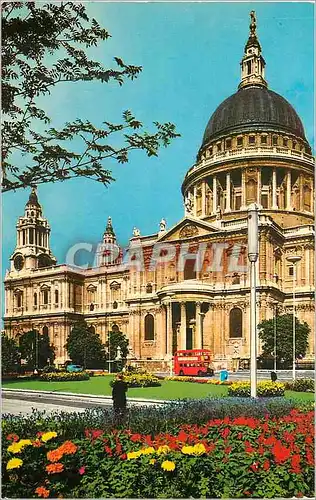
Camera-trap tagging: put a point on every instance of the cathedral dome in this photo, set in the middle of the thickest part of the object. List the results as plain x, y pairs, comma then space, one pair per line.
253, 108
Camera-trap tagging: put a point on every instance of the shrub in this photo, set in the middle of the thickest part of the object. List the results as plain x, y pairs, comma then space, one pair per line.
151, 419
264, 389
301, 385
223, 458
64, 376
197, 380
139, 380
50, 369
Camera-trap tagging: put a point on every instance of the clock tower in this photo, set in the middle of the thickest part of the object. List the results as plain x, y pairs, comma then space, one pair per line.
32, 249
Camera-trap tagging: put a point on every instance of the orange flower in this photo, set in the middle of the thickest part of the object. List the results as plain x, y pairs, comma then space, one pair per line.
68, 448
54, 468
42, 492
55, 455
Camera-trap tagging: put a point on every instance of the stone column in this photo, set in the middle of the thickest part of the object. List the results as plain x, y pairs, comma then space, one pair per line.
194, 201
288, 190
198, 341
243, 189
162, 323
301, 182
214, 194
259, 186
169, 329
203, 199
228, 204
183, 327
274, 188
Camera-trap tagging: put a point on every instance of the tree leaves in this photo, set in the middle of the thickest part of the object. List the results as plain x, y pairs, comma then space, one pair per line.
63, 31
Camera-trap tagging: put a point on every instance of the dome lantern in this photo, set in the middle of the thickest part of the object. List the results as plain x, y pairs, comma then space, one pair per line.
252, 64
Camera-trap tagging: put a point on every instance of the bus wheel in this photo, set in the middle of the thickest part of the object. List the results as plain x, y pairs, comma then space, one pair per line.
200, 374
181, 373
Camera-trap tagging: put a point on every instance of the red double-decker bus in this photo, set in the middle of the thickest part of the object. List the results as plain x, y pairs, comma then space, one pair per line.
193, 362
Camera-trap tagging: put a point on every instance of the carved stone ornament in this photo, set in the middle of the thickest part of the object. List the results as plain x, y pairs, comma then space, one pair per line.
188, 231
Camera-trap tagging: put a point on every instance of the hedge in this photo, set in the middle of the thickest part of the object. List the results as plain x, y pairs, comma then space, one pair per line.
301, 385
223, 458
139, 380
64, 376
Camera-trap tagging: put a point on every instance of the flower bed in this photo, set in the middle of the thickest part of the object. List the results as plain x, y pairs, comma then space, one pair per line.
301, 385
236, 458
64, 376
197, 380
139, 380
264, 389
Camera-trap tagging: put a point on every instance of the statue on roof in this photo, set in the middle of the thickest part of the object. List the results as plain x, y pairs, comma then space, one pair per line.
136, 232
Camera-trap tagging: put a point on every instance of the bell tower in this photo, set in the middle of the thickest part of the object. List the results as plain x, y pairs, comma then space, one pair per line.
32, 249
252, 64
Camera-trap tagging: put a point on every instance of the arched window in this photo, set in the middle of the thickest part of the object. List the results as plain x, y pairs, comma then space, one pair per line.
45, 296
235, 323
56, 296
45, 330
35, 299
92, 329
149, 327
115, 305
91, 307
19, 298
115, 328
149, 288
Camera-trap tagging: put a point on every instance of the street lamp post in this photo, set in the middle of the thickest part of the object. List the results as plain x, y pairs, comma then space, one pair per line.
253, 253
294, 259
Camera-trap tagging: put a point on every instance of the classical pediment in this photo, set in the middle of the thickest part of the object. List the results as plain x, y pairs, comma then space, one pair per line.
188, 227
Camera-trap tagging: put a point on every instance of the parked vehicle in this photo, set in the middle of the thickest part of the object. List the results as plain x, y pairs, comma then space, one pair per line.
193, 362
74, 368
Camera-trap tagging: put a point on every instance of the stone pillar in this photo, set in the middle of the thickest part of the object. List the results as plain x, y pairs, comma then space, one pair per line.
203, 198
288, 190
259, 186
243, 189
301, 182
274, 188
194, 201
228, 204
198, 341
169, 329
163, 331
183, 327
214, 194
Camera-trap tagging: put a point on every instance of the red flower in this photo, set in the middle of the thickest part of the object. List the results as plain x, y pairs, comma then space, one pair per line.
108, 450
227, 450
254, 466
280, 452
12, 437
266, 464
225, 433
123, 456
93, 433
248, 447
136, 437
82, 470
295, 464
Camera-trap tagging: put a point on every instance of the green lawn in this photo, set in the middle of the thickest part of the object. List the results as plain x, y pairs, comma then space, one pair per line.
168, 390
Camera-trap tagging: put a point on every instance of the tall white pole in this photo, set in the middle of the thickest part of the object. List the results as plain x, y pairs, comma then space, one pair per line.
275, 337
253, 252
294, 332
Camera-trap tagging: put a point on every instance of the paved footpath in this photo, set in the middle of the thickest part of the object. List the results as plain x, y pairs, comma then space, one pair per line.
17, 401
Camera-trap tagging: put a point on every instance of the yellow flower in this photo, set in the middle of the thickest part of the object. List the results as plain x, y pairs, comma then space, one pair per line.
148, 451
134, 454
163, 449
187, 450
49, 435
199, 449
18, 447
152, 461
168, 465
14, 463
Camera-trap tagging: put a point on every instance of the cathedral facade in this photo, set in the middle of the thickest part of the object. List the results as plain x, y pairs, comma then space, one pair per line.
188, 286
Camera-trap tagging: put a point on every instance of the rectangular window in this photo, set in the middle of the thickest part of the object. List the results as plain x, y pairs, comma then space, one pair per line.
252, 139
211, 151
291, 271
264, 139
228, 143
294, 145
219, 147
285, 142
264, 200
275, 140
239, 141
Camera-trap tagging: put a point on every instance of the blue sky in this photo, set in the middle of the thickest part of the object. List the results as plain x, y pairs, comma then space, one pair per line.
190, 53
